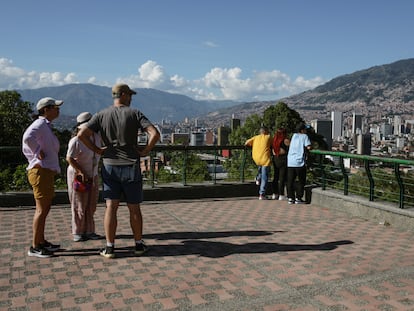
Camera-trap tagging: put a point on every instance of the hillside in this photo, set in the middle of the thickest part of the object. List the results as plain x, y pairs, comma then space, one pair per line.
374, 92
156, 105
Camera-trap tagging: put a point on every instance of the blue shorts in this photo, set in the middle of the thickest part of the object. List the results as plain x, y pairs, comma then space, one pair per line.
122, 179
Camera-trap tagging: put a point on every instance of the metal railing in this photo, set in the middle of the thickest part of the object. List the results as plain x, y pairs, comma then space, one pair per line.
377, 178
220, 157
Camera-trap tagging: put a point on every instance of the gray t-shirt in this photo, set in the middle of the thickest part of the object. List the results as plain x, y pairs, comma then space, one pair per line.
118, 127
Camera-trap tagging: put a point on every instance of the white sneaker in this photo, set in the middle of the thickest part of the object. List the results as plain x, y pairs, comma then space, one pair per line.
274, 196
282, 198
79, 238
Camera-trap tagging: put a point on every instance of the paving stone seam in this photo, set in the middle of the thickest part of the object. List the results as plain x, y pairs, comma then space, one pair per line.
301, 296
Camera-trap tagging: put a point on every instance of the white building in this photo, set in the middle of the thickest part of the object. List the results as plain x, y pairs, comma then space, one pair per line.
336, 118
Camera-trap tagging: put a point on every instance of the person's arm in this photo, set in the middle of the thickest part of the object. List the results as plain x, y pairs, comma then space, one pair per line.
84, 134
153, 138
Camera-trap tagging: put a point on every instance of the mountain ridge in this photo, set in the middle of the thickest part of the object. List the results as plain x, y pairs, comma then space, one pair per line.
385, 89
155, 104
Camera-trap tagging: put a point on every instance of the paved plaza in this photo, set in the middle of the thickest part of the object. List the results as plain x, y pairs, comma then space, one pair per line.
212, 254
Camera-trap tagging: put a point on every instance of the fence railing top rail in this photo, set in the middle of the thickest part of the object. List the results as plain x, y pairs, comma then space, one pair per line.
364, 157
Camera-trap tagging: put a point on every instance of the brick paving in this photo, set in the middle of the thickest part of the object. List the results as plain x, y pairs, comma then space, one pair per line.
213, 254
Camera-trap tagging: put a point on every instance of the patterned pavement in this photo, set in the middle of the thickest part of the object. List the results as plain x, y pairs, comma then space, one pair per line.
215, 254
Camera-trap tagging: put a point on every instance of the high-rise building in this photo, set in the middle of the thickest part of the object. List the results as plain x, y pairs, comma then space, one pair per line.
223, 136
197, 139
356, 123
386, 129
234, 123
336, 118
364, 144
324, 128
397, 125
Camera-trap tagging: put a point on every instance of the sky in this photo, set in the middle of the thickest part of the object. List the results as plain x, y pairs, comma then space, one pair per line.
240, 50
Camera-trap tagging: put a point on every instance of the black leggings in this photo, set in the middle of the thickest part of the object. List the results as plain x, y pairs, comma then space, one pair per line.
296, 191
279, 174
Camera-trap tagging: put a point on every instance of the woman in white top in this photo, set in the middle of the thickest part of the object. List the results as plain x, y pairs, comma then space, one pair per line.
83, 164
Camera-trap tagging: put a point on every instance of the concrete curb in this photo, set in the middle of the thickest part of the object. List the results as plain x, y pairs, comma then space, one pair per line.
383, 212
159, 193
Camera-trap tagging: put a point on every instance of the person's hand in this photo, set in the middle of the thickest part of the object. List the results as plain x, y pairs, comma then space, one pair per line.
101, 150
41, 155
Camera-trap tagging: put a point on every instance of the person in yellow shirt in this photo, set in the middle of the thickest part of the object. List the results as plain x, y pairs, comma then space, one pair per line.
261, 154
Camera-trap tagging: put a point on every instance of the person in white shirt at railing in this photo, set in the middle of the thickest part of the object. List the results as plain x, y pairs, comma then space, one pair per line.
296, 162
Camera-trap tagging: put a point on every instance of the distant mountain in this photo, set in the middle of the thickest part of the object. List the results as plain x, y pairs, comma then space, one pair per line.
156, 105
374, 92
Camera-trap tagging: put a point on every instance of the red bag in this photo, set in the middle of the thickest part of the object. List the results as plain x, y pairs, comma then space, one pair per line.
80, 186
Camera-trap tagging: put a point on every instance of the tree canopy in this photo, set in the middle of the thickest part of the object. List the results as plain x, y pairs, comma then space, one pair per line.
15, 117
279, 115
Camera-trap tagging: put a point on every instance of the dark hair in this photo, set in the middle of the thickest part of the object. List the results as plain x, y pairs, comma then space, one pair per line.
300, 127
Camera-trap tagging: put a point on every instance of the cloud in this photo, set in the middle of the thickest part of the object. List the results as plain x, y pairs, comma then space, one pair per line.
12, 77
210, 44
217, 84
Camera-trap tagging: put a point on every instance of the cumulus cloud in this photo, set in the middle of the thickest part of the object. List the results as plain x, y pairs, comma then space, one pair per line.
217, 84
12, 77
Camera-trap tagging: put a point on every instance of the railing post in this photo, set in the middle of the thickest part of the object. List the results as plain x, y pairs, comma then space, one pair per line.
152, 170
400, 184
243, 164
185, 167
345, 175
214, 165
323, 174
370, 179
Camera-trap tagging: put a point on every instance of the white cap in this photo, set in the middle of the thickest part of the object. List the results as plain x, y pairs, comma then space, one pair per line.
48, 101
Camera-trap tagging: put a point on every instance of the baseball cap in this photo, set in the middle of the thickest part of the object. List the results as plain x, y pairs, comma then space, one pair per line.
83, 117
120, 88
48, 101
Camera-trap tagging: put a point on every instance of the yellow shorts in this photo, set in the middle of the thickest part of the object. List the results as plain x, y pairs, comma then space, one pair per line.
42, 181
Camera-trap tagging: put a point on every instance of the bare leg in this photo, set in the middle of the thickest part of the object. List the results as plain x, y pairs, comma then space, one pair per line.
110, 220
39, 220
135, 219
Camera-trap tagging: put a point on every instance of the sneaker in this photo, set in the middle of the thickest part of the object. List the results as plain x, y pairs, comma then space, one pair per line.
107, 252
140, 249
299, 201
274, 196
262, 197
93, 236
49, 246
39, 252
291, 201
79, 238
282, 198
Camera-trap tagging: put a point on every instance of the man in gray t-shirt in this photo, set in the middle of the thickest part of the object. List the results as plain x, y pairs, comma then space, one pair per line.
119, 126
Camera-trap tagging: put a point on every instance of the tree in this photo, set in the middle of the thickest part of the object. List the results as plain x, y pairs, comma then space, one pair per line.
15, 116
280, 115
